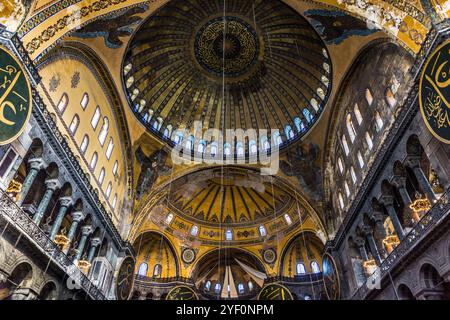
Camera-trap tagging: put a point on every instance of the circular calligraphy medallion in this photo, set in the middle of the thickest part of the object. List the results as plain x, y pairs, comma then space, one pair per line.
15, 98
269, 256
226, 46
434, 93
275, 292
125, 279
330, 277
182, 293
188, 255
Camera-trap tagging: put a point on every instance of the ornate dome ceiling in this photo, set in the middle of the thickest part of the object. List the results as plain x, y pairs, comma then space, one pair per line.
232, 66
234, 198
231, 204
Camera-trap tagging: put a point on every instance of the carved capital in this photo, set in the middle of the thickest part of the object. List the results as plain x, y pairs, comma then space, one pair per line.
52, 184
77, 216
36, 163
95, 242
399, 181
359, 241
387, 200
86, 230
377, 216
413, 161
65, 201
365, 230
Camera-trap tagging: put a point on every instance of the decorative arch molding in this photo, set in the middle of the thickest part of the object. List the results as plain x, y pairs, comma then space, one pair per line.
151, 200
45, 29
89, 58
170, 244
210, 252
288, 244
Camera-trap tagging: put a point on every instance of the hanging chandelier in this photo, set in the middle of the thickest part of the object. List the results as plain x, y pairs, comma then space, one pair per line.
419, 207
390, 242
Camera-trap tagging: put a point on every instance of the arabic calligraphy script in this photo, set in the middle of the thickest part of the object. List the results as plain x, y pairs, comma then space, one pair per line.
435, 93
15, 98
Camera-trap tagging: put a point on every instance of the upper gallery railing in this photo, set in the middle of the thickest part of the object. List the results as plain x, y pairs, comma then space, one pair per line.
438, 212
15, 216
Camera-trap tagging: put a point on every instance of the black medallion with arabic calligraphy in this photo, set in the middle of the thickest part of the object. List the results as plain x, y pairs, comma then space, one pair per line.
182, 293
434, 93
125, 279
15, 98
275, 292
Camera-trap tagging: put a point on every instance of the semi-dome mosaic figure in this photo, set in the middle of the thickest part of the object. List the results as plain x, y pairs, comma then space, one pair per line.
224, 150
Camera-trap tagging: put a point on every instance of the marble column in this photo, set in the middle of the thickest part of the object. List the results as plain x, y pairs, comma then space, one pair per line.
359, 241
64, 202
95, 242
379, 232
400, 183
388, 202
35, 164
51, 185
77, 217
85, 232
368, 233
414, 163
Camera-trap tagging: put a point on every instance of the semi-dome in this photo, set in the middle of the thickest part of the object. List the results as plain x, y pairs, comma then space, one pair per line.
227, 65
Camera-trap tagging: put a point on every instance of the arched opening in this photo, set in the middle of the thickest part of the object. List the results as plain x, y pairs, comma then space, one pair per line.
156, 259
48, 292
404, 293
20, 282
434, 286
226, 274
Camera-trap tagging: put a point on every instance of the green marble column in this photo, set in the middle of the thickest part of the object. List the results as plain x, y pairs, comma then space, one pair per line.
51, 185
85, 232
65, 202
35, 165
95, 242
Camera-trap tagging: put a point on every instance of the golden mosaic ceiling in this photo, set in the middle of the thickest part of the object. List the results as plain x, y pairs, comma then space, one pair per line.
230, 197
205, 205
227, 66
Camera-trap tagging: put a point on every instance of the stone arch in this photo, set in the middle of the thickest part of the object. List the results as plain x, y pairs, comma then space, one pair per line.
413, 146
48, 292
405, 293
306, 247
20, 281
154, 248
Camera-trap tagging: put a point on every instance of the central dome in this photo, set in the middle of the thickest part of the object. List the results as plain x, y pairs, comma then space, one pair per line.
226, 46
232, 64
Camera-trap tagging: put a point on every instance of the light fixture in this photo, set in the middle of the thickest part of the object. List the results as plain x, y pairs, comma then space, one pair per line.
419, 207
84, 266
369, 266
390, 242
62, 241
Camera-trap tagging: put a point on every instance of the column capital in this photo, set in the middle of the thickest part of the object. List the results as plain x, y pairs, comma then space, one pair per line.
95, 242
387, 200
376, 216
36, 163
399, 181
86, 230
65, 201
413, 161
359, 241
52, 184
77, 216
365, 230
